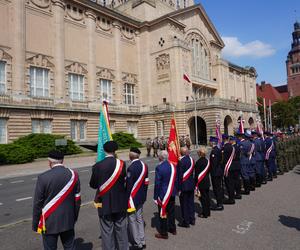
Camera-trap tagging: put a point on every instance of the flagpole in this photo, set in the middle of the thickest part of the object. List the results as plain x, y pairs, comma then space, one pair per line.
270, 106
265, 114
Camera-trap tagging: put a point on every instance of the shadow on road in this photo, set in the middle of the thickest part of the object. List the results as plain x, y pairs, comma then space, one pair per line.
290, 221
81, 245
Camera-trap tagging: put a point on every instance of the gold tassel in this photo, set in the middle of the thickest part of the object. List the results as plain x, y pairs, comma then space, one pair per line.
98, 205
130, 210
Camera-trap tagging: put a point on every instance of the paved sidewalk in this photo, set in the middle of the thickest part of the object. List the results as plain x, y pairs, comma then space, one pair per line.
40, 165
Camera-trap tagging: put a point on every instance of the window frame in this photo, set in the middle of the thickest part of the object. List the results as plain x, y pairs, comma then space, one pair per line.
77, 130
80, 91
34, 86
5, 130
5, 77
110, 89
41, 126
129, 96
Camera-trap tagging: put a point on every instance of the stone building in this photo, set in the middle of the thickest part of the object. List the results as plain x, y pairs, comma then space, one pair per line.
293, 63
60, 58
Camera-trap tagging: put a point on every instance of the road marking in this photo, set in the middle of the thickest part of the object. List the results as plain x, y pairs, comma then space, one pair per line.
86, 170
23, 199
151, 172
34, 179
14, 182
243, 227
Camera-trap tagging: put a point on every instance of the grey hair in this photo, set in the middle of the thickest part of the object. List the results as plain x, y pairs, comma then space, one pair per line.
54, 161
134, 155
163, 154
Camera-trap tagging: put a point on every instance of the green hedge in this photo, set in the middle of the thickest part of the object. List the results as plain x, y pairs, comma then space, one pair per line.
125, 140
30, 147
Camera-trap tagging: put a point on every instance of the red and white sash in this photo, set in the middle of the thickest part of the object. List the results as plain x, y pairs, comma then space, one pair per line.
164, 202
136, 187
53, 204
269, 151
106, 186
251, 151
228, 164
203, 174
188, 173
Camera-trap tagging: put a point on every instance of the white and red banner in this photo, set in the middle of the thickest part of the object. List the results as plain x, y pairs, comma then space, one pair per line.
269, 151
190, 170
203, 174
229, 162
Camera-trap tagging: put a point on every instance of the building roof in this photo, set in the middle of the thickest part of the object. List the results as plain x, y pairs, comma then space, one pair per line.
267, 91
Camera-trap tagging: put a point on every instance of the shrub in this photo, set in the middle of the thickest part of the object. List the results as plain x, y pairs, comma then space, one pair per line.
15, 154
126, 140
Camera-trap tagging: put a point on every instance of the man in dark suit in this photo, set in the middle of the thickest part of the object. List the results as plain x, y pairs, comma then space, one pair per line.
137, 182
56, 203
185, 169
165, 190
108, 177
216, 173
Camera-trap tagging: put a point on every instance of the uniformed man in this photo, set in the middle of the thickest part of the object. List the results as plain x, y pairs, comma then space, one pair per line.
185, 169
148, 146
235, 169
108, 177
259, 158
228, 152
245, 147
165, 190
137, 185
270, 156
216, 172
252, 160
155, 145
202, 182
162, 143
56, 203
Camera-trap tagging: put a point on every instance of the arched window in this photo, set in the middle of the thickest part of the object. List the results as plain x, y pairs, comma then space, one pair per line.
200, 59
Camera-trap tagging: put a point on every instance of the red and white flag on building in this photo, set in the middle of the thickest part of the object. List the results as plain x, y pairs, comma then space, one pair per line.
186, 78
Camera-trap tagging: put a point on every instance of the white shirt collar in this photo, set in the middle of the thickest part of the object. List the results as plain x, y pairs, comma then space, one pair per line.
109, 156
57, 164
134, 160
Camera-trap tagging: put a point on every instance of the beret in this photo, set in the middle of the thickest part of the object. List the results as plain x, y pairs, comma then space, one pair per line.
213, 139
110, 146
56, 155
135, 150
225, 136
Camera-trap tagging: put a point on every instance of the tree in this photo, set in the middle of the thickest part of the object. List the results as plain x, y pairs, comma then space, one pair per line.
284, 114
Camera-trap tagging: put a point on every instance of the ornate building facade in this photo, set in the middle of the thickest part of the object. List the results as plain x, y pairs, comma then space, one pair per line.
60, 58
293, 63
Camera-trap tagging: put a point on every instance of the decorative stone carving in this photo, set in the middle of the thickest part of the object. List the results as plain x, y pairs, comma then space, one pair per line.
75, 13
41, 114
129, 78
4, 113
40, 61
44, 4
105, 74
76, 68
104, 24
163, 62
127, 33
4, 55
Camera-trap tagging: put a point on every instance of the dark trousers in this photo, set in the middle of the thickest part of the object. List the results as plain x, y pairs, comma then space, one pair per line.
236, 176
67, 240
216, 182
229, 183
148, 151
168, 224
187, 206
205, 201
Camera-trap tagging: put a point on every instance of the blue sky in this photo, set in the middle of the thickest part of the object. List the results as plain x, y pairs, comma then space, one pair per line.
257, 33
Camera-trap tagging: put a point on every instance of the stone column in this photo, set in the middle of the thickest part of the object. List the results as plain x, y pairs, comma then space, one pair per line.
118, 81
19, 48
59, 49
91, 26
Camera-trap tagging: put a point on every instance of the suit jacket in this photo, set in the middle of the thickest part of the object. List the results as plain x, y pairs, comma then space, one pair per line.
268, 143
114, 200
236, 164
260, 149
48, 185
162, 178
133, 173
245, 147
215, 162
183, 165
227, 151
199, 167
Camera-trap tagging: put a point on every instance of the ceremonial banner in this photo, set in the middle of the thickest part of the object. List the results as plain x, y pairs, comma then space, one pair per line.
173, 145
241, 126
104, 133
218, 132
186, 78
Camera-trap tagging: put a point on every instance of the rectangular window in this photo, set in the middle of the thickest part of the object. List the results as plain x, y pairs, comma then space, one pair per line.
112, 126
106, 90
76, 87
41, 126
78, 130
3, 131
132, 128
39, 82
129, 94
2, 77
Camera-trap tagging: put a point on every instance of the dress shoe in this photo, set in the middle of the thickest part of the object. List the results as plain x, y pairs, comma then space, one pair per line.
202, 216
144, 246
270, 179
274, 176
245, 192
238, 197
174, 232
280, 173
183, 224
192, 223
161, 236
218, 208
252, 188
228, 202
264, 182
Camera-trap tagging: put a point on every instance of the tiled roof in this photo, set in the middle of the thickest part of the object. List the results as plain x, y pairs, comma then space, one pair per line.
267, 91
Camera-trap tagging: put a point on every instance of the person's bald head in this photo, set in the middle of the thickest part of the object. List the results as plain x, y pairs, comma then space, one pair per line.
184, 151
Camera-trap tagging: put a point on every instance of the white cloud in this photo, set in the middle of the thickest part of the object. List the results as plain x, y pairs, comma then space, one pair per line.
254, 49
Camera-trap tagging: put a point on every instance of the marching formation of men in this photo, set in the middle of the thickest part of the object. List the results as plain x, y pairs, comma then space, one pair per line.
234, 167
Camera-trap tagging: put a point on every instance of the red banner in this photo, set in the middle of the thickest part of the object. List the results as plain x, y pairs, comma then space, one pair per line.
173, 145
